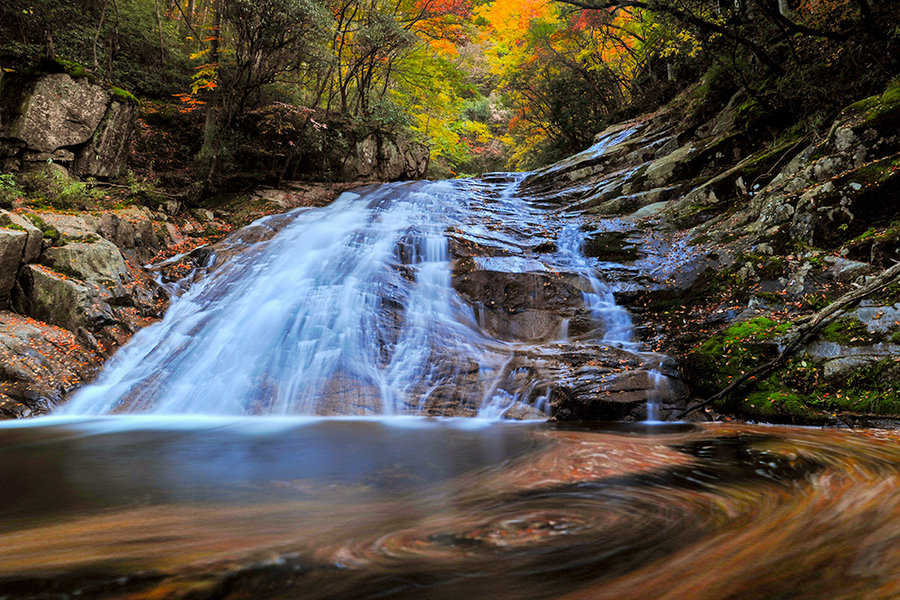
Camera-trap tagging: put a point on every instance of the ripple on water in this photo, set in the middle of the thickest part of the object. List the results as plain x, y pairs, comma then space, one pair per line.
415, 508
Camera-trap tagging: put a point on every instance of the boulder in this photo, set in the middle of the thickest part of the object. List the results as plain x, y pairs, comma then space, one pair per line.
33, 243
106, 154
98, 262
58, 111
54, 298
12, 249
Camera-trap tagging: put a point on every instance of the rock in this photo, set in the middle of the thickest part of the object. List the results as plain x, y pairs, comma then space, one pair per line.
76, 227
55, 299
879, 319
98, 262
847, 271
132, 231
651, 210
383, 157
41, 364
61, 155
33, 244
835, 370
665, 169
58, 111
106, 154
12, 250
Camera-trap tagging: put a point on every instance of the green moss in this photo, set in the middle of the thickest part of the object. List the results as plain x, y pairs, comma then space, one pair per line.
886, 106
847, 331
49, 231
773, 404
124, 95
724, 356
13, 226
894, 338
74, 69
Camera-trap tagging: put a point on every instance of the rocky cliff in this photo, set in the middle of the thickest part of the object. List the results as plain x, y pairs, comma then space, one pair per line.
759, 228
68, 121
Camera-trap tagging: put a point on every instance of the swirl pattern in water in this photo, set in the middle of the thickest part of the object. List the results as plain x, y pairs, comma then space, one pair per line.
411, 508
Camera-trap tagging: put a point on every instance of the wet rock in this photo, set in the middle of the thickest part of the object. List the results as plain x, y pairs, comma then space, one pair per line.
516, 292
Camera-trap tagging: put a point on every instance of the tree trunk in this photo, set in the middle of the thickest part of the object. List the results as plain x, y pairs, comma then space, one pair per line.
210, 148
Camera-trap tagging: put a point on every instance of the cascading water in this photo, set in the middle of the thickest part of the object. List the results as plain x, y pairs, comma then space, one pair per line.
615, 321
350, 309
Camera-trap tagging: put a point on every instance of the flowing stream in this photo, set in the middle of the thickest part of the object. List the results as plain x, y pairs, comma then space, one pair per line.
351, 309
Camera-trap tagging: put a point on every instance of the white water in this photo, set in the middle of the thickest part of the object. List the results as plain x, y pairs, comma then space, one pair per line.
348, 310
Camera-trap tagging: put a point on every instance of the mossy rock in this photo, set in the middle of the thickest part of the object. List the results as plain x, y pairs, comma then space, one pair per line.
847, 331
711, 365
881, 111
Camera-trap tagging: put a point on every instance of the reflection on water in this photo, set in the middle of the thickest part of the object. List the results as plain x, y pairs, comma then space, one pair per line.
141, 507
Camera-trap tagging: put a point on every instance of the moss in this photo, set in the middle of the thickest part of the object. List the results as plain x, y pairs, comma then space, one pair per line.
13, 226
124, 95
774, 404
847, 331
49, 231
886, 107
894, 338
74, 69
724, 356
768, 266
60, 65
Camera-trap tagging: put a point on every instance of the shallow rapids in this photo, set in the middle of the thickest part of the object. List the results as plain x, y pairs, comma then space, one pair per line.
411, 508
350, 309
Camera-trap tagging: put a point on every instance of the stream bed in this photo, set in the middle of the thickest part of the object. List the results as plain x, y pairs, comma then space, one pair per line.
414, 507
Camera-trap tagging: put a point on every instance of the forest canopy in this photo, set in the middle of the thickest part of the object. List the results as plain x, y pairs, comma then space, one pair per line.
485, 84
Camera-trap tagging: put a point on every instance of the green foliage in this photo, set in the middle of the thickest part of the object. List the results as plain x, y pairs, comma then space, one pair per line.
10, 190
48, 188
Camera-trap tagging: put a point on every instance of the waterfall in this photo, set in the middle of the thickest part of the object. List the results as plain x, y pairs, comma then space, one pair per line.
350, 309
